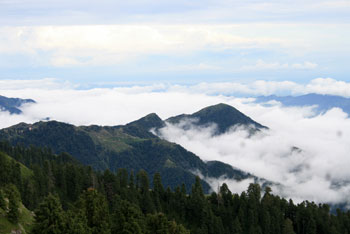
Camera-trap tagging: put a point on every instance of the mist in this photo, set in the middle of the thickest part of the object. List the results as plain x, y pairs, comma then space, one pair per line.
307, 153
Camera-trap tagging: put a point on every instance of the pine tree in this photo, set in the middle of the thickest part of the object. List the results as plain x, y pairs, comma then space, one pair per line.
288, 227
157, 224
311, 227
49, 217
158, 191
13, 214
14, 199
77, 222
146, 202
126, 217
236, 227
95, 207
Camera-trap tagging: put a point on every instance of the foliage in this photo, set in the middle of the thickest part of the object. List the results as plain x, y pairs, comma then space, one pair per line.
92, 202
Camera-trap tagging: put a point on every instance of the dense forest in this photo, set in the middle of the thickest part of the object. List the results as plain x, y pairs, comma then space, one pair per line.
68, 197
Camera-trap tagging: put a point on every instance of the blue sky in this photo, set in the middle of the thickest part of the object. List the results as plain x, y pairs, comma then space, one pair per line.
102, 42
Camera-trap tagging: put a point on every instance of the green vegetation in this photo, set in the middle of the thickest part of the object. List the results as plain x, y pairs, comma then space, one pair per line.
68, 197
131, 147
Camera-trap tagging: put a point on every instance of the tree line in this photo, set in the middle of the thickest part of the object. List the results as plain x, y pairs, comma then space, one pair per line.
68, 197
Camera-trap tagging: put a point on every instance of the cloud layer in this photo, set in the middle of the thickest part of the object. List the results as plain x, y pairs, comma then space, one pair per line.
318, 172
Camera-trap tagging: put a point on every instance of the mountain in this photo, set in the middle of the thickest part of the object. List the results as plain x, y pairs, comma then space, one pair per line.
41, 192
223, 115
131, 146
323, 103
13, 105
150, 121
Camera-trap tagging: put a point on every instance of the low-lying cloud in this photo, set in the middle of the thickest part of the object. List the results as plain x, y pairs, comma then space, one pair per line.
318, 171
309, 156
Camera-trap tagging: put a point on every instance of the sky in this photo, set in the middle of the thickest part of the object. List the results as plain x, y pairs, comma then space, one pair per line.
111, 62
108, 43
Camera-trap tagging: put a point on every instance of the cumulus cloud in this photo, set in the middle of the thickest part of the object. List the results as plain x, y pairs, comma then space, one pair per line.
329, 86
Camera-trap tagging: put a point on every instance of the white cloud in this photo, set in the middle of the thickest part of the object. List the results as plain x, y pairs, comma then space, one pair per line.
262, 65
256, 88
305, 65
46, 83
329, 86
113, 44
324, 139
308, 174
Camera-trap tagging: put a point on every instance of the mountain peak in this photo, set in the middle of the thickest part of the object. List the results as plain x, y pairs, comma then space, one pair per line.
148, 122
223, 115
13, 105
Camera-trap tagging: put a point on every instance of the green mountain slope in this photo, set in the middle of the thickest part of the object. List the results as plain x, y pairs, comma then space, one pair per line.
133, 146
13, 172
26, 219
223, 115
130, 146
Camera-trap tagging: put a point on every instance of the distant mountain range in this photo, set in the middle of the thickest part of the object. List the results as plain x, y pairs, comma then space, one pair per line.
13, 105
323, 103
134, 147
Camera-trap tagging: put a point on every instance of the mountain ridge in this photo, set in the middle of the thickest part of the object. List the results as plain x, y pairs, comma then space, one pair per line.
13, 105
131, 146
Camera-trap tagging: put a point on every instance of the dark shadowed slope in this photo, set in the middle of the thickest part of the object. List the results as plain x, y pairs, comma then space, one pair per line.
13, 105
130, 146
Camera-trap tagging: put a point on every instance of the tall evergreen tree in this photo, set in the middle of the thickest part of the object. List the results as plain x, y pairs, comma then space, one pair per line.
77, 222
288, 227
146, 202
14, 199
49, 217
13, 213
95, 207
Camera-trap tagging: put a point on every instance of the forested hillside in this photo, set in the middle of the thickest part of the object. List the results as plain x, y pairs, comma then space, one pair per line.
68, 197
130, 146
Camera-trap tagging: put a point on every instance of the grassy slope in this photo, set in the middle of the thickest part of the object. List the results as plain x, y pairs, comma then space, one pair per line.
25, 171
26, 217
25, 221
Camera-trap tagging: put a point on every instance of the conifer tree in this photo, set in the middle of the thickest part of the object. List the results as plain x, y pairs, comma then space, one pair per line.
236, 227
126, 217
13, 213
14, 199
49, 217
146, 202
158, 191
288, 227
95, 207
77, 222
